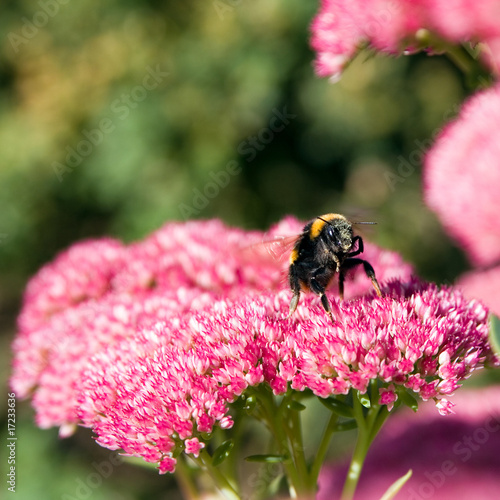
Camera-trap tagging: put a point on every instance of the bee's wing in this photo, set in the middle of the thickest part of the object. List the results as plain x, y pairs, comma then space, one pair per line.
271, 253
274, 249
279, 247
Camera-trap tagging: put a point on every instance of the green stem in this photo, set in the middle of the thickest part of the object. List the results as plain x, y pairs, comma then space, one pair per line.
230, 467
461, 58
382, 415
296, 441
355, 467
368, 427
185, 482
220, 481
360, 450
272, 417
467, 61
322, 449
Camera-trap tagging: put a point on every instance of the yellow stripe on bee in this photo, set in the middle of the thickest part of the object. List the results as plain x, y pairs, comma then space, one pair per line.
319, 224
294, 255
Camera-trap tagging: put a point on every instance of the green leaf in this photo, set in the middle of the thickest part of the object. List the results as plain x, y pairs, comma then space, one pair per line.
407, 399
295, 405
337, 406
346, 426
394, 488
270, 459
494, 335
250, 403
222, 452
364, 399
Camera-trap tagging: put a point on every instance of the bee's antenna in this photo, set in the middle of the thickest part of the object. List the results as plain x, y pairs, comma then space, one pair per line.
361, 222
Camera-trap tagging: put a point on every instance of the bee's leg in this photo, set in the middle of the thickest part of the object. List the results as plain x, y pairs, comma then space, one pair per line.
351, 263
293, 304
295, 286
361, 246
326, 306
318, 284
341, 282
337, 263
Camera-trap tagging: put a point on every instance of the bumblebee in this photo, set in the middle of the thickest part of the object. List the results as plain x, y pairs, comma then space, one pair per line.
326, 246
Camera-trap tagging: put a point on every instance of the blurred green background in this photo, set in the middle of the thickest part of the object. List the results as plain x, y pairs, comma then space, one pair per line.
118, 116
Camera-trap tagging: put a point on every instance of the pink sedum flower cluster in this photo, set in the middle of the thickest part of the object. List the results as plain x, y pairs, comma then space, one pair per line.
150, 343
465, 157
395, 26
175, 381
81, 273
49, 360
462, 177
98, 292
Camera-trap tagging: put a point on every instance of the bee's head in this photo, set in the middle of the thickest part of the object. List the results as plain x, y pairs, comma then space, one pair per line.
338, 233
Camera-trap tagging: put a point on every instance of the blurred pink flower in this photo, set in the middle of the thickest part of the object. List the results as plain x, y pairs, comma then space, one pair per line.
202, 254
175, 381
462, 177
452, 459
81, 273
340, 28
484, 286
394, 26
100, 292
49, 360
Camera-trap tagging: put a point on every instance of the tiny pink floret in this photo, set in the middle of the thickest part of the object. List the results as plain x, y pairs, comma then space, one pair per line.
194, 446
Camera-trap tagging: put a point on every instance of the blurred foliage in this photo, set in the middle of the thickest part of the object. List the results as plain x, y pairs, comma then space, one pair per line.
222, 69
117, 116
